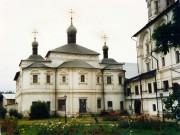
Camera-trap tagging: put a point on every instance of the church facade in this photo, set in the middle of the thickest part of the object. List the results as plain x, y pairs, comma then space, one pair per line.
70, 77
158, 73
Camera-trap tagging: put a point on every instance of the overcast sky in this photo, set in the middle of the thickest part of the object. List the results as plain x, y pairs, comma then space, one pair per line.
118, 19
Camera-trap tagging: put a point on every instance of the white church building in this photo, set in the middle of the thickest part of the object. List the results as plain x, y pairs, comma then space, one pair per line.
70, 75
74, 76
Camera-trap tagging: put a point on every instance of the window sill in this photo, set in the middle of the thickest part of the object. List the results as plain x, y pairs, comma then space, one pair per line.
64, 83
34, 83
82, 83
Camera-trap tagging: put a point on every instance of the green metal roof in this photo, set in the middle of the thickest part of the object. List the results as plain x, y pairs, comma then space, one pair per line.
35, 58
75, 64
37, 65
110, 61
73, 48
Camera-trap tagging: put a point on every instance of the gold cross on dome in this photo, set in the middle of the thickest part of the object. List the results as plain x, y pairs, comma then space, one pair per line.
104, 37
71, 12
35, 32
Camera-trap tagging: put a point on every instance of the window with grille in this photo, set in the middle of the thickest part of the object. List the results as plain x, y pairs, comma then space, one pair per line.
109, 80
154, 107
61, 104
98, 103
98, 80
63, 79
48, 79
120, 79
136, 90
82, 78
165, 85
149, 88
110, 104
35, 78
163, 61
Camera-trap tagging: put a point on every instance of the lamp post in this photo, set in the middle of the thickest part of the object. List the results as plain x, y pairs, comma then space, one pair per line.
161, 96
65, 118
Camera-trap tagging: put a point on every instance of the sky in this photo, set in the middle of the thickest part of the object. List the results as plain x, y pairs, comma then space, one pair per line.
119, 20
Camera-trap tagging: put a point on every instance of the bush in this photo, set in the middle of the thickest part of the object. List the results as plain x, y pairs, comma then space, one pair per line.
15, 113
9, 126
3, 112
39, 110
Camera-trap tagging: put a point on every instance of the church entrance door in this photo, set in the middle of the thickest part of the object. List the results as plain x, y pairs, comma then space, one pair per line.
82, 105
137, 106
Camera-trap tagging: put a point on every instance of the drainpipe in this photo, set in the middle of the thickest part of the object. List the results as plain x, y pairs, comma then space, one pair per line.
55, 92
157, 62
103, 88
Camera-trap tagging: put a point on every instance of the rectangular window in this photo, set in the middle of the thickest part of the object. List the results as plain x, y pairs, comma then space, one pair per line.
128, 91
154, 107
148, 66
63, 79
48, 79
35, 78
156, 7
177, 57
98, 80
110, 104
61, 104
149, 88
48, 105
99, 103
155, 86
82, 78
34, 102
109, 81
121, 105
136, 90
163, 61
165, 85
120, 79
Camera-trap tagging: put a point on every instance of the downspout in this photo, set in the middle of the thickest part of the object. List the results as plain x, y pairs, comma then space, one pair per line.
102, 71
138, 72
157, 62
137, 53
141, 95
55, 92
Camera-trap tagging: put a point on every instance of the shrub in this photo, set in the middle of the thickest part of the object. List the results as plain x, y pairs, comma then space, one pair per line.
3, 112
15, 113
39, 110
9, 125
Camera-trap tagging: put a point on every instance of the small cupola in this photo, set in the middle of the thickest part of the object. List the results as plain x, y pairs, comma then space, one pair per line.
71, 32
35, 47
105, 48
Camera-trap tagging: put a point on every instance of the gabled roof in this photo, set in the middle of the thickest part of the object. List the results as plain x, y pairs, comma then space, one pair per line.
75, 64
73, 48
9, 96
156, 18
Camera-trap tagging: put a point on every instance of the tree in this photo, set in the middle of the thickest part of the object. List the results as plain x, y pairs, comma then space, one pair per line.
167, 35
172, 102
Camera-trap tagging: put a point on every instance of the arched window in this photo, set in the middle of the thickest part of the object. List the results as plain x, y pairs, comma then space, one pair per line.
82, 78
